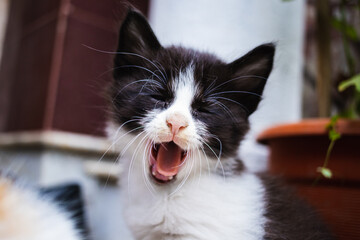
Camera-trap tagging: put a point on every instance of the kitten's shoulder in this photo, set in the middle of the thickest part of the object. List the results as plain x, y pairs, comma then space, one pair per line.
289, 217
24, 215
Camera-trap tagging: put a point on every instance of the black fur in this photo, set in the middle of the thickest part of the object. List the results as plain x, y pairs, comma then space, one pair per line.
290, 218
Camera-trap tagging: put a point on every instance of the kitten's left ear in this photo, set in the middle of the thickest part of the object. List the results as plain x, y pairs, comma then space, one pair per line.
250, 73
137, 37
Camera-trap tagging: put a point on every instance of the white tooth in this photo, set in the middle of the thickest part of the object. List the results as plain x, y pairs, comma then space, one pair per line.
153, 173
171, 177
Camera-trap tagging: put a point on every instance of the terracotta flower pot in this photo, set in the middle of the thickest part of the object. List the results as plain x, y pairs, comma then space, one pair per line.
297, 150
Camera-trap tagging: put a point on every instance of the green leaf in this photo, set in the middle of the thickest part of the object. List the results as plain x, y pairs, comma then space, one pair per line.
354, 81
351, 32
326, 172
345, 28
333, 120
334, 135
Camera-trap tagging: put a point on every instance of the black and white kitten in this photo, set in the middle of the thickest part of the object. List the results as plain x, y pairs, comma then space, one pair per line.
180, 115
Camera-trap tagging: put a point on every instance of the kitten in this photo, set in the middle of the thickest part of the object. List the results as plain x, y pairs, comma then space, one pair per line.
180, 115
24, 215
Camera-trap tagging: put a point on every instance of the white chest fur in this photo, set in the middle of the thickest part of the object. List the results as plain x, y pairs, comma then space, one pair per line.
205, 208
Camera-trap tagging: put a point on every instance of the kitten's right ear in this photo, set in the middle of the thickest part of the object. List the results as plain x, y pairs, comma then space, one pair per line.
136, 37
252, 70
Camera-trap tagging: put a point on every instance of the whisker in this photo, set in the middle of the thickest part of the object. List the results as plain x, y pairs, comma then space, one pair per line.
128, 53
218, 162
251, 93
237, 78
132, 159
137, 81
207, 160
216, 156
145, 174
140, 67
220, 143
209, 88
153, 88
130, 143
183, 162
162, 144
241, 105
120, 155
120, 127
134, 156
115, 141
183, 181
163, 69
200, 168
226, 109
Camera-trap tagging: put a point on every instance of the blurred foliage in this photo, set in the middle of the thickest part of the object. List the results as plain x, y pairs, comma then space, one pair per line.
353, 110
349, 36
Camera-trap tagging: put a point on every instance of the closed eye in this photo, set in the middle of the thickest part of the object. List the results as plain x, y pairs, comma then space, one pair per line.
158, 97
204, 110
202, 107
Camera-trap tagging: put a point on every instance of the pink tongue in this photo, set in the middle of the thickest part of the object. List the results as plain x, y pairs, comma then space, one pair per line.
168, 159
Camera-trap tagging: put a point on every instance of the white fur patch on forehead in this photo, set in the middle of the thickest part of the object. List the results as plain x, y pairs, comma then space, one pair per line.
184, 86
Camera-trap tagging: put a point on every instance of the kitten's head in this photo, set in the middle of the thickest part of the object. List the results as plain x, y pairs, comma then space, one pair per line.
184, 106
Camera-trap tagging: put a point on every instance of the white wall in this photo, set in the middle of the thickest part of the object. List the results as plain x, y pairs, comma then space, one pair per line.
230, 28
4, 11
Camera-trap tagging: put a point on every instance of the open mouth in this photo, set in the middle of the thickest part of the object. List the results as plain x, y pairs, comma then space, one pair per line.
165, 161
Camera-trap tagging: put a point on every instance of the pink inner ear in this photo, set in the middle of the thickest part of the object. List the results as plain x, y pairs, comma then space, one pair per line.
168, 159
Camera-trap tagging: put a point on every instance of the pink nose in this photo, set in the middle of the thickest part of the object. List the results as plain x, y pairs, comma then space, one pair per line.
176, 122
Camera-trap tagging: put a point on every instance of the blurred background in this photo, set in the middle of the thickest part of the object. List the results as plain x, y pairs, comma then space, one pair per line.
53, 71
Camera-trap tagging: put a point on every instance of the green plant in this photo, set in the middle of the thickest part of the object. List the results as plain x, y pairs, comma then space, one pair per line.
354, 109
349, 35
334, 135
352, 112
